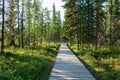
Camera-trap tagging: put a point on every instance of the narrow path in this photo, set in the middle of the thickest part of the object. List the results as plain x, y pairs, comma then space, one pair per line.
68, 67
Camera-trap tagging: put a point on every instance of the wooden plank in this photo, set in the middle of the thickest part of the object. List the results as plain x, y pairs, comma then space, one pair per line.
68, 67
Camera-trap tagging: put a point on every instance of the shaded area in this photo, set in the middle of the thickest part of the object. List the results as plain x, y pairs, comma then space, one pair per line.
26, 64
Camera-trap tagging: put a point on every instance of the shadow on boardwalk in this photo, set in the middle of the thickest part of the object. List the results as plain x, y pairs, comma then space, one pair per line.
68, 66
93, 71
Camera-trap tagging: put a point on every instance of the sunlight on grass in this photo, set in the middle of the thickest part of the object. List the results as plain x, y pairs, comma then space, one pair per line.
99, 69
28, 64
104, 62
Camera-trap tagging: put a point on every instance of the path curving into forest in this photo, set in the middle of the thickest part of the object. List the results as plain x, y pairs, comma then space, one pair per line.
69, 67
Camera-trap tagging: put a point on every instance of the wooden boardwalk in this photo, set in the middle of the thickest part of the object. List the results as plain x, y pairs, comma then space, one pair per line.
69, 67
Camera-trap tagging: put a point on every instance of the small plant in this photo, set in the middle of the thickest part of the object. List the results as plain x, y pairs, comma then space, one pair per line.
27, 64
104, 61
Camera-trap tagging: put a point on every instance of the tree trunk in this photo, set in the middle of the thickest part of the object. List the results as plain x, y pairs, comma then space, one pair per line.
34, 40
97, 25
18, 26
70, 39
110, 23
88, 24
2, 44
12, 41
29, 26
77, 42
22, 42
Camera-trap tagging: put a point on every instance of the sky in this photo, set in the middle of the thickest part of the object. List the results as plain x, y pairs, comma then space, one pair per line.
58, 5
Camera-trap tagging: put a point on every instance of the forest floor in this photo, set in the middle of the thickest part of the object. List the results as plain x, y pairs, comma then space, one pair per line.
103, 63
28, 64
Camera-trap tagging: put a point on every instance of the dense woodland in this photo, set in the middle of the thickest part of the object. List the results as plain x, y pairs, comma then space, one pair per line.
91, 27
29, 39
93, 30
26, 22
94, 22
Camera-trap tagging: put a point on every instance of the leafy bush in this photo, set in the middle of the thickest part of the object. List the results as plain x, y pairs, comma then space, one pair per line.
29, 70
105, 53
4, 75
101, 54
111, 75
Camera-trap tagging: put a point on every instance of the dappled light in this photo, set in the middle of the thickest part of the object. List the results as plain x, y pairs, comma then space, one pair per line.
60, 39
67, 66
103, 63
19, 63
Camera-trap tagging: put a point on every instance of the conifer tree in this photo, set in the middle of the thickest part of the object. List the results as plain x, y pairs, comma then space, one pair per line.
53, 23
11, 22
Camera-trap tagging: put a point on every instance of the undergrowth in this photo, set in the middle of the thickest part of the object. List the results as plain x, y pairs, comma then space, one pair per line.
103, 63
27, 64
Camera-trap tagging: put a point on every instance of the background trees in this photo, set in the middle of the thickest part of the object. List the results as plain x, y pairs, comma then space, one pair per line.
27, 23
87, 22
116, 21
56, 25
11, 22
70, 15
92, 22
2, 11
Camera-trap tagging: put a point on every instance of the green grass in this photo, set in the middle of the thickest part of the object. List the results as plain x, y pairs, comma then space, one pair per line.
103, 63
28, 64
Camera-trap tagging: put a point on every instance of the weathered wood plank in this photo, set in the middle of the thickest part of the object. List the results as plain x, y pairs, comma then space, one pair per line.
68, 67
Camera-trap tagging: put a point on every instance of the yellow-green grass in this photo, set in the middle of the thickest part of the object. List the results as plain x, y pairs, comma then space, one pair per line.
28, 64
103, 63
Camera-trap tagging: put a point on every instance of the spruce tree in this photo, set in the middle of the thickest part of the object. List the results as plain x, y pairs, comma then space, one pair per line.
11, 22
54, 23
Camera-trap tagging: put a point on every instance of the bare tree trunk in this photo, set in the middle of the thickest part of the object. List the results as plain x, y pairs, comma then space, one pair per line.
18, 26
12, 41
77, 42
34, 33
97, 25
2, 45
70, 39
111, 24
88, 13
29, 25
22, 42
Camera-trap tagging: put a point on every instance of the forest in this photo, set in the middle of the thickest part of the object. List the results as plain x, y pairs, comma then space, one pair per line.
92, 28
31, 35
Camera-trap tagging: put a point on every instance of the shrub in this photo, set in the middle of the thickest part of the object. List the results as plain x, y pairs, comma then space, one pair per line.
4, 75
27, 70
105, 53
111, 75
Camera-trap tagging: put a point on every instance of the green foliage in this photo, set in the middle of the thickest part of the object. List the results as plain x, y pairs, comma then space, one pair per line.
112, 75
70, 21
27, 64
98, 54
11, 20
105, 62
56, 25
105, 52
